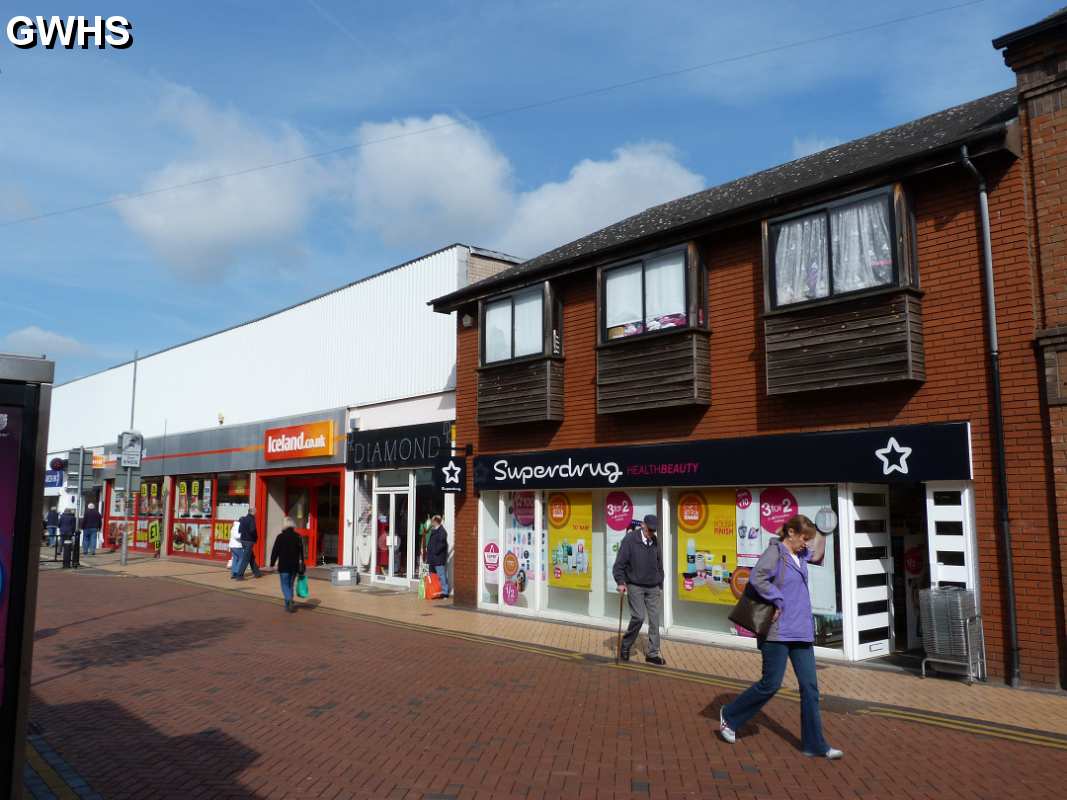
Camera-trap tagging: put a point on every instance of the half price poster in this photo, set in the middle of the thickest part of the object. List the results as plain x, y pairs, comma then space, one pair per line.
570, 540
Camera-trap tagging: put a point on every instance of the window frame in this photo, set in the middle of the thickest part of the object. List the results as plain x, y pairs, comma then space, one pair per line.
551, 326
696, 294
900, 232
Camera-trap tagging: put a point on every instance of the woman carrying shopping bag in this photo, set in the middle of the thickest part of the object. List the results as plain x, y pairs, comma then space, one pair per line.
288, 554
781, 578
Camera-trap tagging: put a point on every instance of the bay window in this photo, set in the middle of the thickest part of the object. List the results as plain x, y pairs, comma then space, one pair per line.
514, 325
839, 248
654, 293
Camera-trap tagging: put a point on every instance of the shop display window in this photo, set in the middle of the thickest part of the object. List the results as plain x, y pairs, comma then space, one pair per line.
574, 523
837, 249
143, 522
364, 512
232, 502
719, 535
193, 529
489, 540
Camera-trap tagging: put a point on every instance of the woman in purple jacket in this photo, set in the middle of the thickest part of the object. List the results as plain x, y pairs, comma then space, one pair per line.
781, 577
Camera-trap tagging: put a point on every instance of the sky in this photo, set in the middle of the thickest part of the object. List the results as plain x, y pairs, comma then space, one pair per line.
433, 128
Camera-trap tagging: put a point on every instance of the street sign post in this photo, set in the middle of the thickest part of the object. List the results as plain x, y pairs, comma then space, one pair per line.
131, 448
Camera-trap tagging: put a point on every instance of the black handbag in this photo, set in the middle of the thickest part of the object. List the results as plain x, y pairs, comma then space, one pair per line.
752, 612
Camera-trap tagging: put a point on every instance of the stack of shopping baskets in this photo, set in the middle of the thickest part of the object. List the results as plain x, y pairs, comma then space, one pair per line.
952, 630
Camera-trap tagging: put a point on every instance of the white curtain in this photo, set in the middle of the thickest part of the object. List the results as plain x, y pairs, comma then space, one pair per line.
498, 330
665, 292
528, 322
800, 263
862, 248
622, 290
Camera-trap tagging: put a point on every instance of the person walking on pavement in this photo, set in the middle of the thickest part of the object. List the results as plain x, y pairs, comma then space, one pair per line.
68, 533
51, 522
638, 572
248, 535
91, 524
436, 555
288, 554
236, 548
781, 577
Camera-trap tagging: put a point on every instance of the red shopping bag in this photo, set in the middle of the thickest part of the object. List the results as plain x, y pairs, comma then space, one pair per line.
433, 586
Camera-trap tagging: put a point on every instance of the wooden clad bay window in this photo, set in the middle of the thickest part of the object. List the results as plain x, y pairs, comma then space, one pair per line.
841, 294
653, 340
520, 378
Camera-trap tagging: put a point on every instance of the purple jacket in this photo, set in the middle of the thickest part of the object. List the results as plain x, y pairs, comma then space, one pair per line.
787, 588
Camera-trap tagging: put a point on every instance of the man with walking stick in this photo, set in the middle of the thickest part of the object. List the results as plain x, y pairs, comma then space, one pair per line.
638, 572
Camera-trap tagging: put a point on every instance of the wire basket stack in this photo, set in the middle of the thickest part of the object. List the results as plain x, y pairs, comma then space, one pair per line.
952, 629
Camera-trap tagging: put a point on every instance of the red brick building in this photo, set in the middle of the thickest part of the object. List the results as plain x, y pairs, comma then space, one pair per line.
818, 338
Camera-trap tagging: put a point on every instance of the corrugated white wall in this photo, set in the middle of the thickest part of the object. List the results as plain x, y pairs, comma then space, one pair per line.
371, 342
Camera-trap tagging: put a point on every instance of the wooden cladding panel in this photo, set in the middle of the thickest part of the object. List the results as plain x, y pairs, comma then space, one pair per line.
670, 370
871, 340
529, 391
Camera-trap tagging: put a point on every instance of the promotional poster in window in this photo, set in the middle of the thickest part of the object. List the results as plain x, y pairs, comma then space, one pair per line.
10, 428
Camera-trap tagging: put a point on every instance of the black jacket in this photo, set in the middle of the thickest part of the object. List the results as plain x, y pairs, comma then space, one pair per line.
638, 563
246, 529
68, 523
288, 552
437, 548
51, 520
91, 521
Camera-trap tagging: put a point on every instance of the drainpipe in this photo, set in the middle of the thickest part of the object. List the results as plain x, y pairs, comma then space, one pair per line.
998, 421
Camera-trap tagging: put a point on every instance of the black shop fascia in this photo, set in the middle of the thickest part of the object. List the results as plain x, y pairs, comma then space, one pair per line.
898, 454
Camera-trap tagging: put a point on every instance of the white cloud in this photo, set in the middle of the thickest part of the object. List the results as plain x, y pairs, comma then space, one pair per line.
35, 341
201, 229
428, 188
806, 145
453, 184
596, 194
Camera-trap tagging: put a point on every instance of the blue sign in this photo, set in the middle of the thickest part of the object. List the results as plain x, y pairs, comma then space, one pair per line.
53, 479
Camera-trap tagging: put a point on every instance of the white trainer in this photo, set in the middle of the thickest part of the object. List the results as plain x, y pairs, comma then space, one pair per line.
725, 731
833, 754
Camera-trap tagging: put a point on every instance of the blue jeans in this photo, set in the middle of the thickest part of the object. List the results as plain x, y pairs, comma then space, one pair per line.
89, 541
236, 554
442, 573
755, 697
248, 557
52, 535
287, 579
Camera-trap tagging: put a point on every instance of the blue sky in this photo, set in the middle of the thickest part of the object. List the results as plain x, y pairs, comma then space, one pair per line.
213, 88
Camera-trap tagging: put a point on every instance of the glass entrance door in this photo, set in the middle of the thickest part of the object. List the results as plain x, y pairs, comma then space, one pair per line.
300, 505
392, 552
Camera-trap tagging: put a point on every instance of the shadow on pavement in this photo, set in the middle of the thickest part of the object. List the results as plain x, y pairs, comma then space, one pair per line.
119, 754
753, 728
139, 644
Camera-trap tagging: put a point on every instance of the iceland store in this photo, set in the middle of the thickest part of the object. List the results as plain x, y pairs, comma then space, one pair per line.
897, 501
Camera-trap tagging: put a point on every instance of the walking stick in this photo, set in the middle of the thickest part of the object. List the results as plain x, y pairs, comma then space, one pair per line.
618, 642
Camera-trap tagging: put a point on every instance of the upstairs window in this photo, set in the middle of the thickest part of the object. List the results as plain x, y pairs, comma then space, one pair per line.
652, 294
842, 247
514, 325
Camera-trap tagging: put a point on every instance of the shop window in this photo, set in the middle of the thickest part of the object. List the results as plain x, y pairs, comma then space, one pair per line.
659, 292
192, 531
836, 249
233, 495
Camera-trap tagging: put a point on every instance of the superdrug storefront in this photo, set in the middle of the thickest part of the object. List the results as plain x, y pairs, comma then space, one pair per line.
897, 501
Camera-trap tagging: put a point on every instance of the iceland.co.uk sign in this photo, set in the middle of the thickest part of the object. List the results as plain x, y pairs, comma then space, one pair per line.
69, 32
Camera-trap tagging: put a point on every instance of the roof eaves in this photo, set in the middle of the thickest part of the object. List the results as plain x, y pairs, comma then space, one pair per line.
1053, 20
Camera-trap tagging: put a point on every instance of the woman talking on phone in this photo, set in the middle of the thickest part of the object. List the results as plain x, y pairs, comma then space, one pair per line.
781, 577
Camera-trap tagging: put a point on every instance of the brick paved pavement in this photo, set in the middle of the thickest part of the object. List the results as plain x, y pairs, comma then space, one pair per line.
151, 688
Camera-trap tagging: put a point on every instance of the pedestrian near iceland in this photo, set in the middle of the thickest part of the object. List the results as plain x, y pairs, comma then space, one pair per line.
638, 573
91, 524
288, 554
236, 548
436, 556
51, 522
247, 533
68, 533
781, 578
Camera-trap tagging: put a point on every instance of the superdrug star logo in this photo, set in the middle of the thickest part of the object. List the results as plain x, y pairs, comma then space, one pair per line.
894, 457
451, 472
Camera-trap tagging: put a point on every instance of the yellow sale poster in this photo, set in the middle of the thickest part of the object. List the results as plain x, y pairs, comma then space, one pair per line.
707, 552
570, 540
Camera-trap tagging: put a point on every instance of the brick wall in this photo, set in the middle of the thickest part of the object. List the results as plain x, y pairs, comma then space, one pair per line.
1040, 65
957, 387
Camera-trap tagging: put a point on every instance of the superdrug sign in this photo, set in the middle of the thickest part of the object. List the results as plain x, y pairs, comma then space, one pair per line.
872, 455
394, 448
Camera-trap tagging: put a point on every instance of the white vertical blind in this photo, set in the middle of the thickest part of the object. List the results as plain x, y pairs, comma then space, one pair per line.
528, 322
665, 291
622, 289
498, 330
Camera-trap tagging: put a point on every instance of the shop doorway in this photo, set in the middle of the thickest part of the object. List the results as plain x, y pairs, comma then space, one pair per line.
392, 553
313, 501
